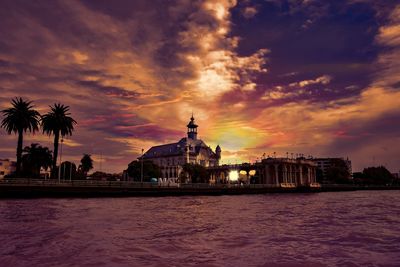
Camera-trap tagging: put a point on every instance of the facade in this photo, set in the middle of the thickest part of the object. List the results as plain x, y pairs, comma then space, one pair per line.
171, 157
325, 163
288, 172
6, 167
277, 172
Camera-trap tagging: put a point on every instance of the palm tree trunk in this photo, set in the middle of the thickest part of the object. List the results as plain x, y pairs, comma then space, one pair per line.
19, 152
55, 154
37, 171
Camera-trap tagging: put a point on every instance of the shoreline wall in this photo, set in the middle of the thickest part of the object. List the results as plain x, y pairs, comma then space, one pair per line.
54, 191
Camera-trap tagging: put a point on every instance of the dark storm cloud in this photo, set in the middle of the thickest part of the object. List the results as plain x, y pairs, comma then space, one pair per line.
338, 41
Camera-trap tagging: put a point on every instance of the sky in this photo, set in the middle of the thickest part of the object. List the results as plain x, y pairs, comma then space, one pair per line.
320, 78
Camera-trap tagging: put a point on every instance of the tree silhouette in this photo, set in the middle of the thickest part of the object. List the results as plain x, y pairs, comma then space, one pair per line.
196, 172
338, 172
150, 170
57, 122
86, 164
20, 118
377, 176
34, 158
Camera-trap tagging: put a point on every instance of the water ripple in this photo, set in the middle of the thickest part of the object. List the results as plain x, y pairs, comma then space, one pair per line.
327, 229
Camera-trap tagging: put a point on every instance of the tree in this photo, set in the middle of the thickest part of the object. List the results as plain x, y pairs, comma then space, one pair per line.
377, 176
34, 158
86, 164
19, 119
338, 172
358, 178
196, 172
150, 170
57, 122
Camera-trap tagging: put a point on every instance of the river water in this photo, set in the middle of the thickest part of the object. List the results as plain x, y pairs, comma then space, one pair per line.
324, 229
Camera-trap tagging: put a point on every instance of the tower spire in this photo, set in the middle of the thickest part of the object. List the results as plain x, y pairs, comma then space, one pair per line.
192, 129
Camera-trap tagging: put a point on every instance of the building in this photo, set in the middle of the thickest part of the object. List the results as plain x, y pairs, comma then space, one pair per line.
325, 163
6, 167
171, 157
288, 172
277, 172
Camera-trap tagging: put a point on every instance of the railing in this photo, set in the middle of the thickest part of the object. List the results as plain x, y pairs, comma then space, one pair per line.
126, 184
75, 183
133, 185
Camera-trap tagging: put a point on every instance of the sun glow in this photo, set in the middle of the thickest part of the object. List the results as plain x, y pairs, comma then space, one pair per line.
233, 175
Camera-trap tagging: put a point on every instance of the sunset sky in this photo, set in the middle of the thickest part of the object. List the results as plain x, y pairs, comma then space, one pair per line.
320, 78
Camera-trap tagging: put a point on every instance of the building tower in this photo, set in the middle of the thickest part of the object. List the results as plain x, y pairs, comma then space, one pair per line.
192, 129
218, 153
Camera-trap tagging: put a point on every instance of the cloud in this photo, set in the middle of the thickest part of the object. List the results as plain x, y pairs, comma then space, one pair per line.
325, 79
249, 12
119, 71
218, 67
389, 61
134, 71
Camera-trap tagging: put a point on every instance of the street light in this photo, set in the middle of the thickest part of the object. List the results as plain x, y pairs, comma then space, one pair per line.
141, 169
59, 168
70, 171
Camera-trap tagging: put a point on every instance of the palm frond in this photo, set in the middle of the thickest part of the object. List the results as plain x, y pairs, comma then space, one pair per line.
58, 119
20, 117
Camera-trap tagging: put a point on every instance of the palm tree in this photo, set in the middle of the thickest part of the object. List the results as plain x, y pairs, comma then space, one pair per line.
86, 164
57, 122
34, 158
21, 117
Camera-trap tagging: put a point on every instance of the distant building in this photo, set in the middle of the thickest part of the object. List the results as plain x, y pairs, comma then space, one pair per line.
325, 163
6, 167
171, 157
45, 173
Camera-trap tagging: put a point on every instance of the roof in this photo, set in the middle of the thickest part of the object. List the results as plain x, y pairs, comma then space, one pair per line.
164, 150
178, 148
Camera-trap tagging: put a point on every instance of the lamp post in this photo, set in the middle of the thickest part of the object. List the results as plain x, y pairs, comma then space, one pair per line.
70, 171
141, 169
59, 168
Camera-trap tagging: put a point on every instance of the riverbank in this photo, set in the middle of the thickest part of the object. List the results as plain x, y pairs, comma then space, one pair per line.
25, 188
62, 190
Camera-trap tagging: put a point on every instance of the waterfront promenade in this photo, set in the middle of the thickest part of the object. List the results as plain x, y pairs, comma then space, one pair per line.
88, 188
